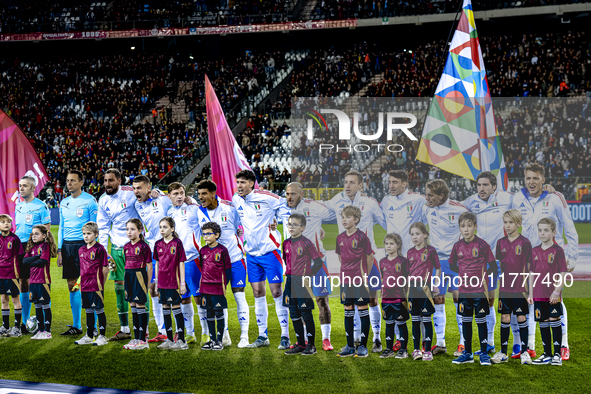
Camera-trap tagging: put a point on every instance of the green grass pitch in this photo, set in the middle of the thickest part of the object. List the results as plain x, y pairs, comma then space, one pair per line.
268, 370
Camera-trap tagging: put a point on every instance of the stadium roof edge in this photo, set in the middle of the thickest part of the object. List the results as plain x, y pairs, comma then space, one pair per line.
293, 26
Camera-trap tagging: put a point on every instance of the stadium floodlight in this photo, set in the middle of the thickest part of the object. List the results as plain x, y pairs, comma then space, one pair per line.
132, 48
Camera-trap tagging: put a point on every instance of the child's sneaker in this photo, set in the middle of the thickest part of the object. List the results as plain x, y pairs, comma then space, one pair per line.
397, 346
180, 345
402, 353
15, 332
557, 359
217, 345
499, 357
309, 350
542, 360
387, 353
465, 358
485, 359
489, 349
362, 351
427, 356
297, 349
3, 331
165, 345
44, 335
207, 346
347, 352
101, 340
85, 340
36, 335
417, 354
525, 358
131, 344
141, 345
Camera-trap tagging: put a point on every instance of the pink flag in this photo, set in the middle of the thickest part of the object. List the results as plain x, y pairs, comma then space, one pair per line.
226, 156
17, 159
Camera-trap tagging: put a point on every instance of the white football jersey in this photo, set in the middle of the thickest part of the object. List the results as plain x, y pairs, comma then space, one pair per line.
151, 212
186, 223
400, 212
227, 217
113, 214
316, 213
444, 229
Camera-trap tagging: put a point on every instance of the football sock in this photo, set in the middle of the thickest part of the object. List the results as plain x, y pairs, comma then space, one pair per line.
76, 307
188, 318
89, 322
531, 339
491, 321
467, 332
136, 323
202, 312
482, 333
556, 327
564, 321
365, 323
524, 328
180, 322
261, 312
416, 332
48, 316
143, 322
403, 338
375, 318
158, 315
356, 325
298, 325
220, 324
439, 321
26, 304
226, 329
40, 317
505, 328
6, 318
325, 328
428, 332
546, 337
243, 312
349, 327
211, 324
516, 332
390, 324
102, 321
305, 331
18, 313
282, 316
397, 332
310, 327
122, 305
166, 315
460, 322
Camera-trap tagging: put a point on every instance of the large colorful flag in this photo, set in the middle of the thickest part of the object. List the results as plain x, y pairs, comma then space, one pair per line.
460, 134
226, 156
17, 159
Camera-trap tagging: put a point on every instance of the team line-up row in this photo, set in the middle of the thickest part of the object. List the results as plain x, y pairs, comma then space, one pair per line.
255, 210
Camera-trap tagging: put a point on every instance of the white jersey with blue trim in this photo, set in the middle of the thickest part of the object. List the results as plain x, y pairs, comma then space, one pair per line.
371, 213
400, 212
547, 205
227, 217
490, 215
257, 211
113, 214
316, 213
151, 212
75, 213
28, 215
186, 223
444, 230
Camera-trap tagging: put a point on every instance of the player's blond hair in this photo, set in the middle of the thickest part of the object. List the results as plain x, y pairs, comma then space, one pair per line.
537, 168
439, 187
548, 222
514, 215
396, 238
92, 227
350, 210
5, 217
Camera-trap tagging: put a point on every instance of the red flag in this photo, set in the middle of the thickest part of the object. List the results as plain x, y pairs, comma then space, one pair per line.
226, 156
17, 159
